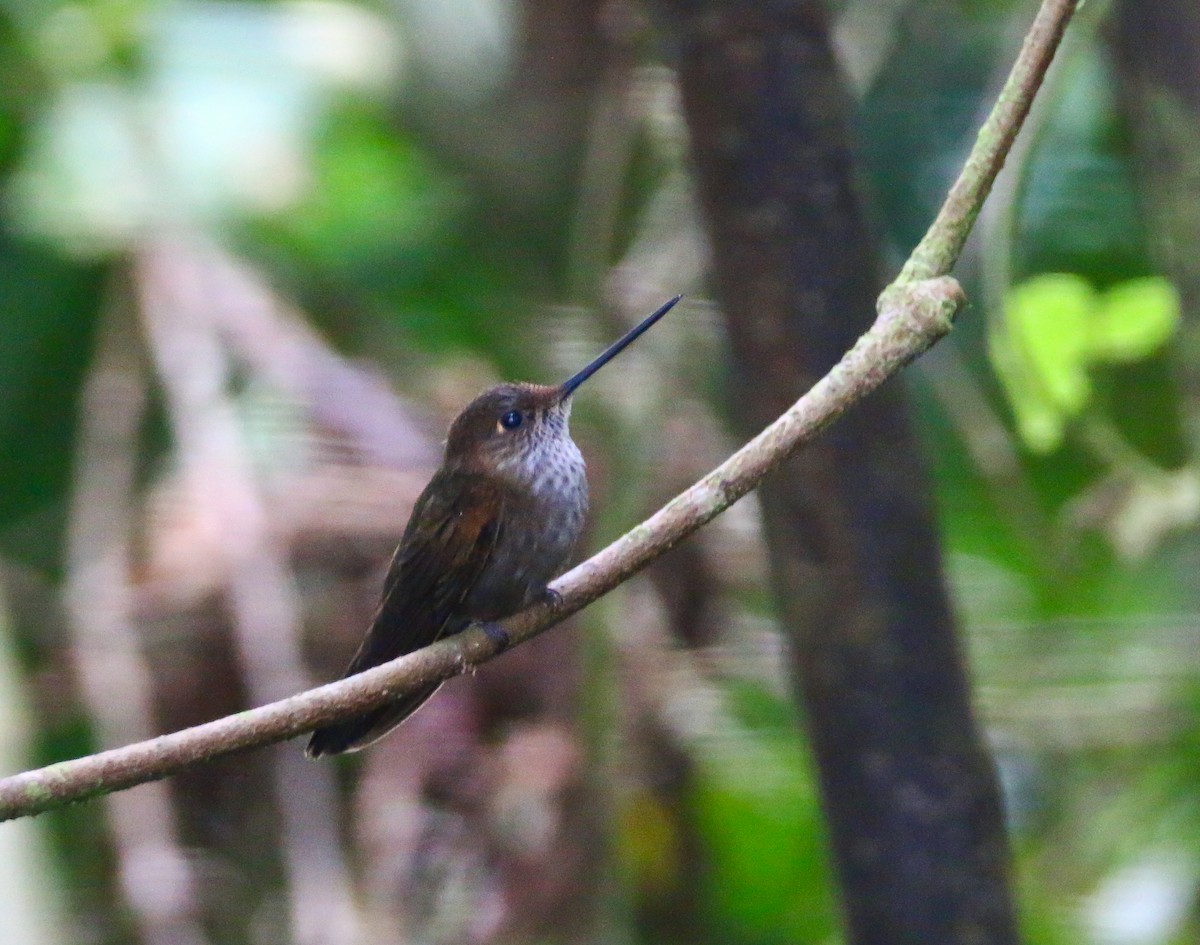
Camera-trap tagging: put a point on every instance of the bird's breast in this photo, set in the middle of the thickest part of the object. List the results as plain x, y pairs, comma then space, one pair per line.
543, 518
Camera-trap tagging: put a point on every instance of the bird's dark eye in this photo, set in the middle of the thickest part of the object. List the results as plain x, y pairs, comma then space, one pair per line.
511, 420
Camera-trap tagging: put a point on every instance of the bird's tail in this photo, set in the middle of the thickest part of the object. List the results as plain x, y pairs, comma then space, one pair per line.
361, 731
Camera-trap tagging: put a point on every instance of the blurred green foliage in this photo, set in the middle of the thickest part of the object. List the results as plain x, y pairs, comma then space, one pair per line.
1066, 476
50, 307
757, 811
1057, 326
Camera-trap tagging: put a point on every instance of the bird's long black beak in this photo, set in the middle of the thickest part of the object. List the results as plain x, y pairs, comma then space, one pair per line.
567, 388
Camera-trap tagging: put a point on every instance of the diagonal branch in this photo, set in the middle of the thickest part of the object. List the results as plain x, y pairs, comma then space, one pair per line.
938, 251
914, 312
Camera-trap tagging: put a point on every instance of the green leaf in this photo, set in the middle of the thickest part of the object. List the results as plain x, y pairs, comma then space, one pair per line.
1133, 320
1049, 318
1041, 356
1078, 208
1056, 327
1039, 422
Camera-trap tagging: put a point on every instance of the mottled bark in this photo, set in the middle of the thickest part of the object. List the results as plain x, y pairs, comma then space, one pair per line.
911, 795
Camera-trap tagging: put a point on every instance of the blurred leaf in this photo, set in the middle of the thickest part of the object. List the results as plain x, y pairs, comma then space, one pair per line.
374, 200
387, 230
50, 308
757, 810
1049, 317
1144, 403
923, 109
977, 518
1134, 319
1040, 355
1040, 424
1056, 326
1078, 209
21, 92
650, 844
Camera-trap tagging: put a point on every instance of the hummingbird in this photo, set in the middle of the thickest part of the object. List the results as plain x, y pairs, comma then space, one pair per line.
496, 522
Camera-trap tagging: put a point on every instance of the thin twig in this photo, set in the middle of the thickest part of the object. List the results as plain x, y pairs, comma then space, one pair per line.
914, 312
936, 254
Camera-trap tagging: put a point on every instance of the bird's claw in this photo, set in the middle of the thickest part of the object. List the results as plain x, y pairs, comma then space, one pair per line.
551, 598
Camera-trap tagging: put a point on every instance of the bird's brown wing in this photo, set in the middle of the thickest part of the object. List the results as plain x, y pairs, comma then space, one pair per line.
446, 546
448, 542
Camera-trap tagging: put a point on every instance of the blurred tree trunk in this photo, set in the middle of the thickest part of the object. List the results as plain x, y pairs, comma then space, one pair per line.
1158, 57
910, 793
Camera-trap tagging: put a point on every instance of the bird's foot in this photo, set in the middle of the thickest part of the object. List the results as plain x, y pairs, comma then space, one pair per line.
498, 635
551, 598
